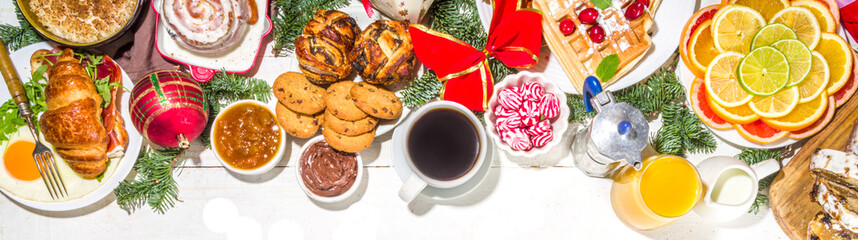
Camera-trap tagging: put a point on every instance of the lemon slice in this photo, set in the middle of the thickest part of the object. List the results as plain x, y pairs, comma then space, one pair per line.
701, 49
767, 8
798, 57
838, 55
803, 22
764, 71
823, 15
816, 81
735, 115
772, 33
802, 115
734, 27
721, 83
778, 105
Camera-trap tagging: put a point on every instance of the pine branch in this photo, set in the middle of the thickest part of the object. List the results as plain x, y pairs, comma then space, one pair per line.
753, 156
18, 37
154, 184
421, 90
226, 88
290, 16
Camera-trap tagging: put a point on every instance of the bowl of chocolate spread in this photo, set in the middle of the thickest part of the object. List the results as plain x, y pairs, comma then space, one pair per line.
326, 174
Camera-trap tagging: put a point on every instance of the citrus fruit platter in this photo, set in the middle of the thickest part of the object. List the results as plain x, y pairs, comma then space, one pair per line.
766, 74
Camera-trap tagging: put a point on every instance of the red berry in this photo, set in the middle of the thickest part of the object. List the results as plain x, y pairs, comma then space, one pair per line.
567, 26
634, 11
597, 34
644, 2
588, 15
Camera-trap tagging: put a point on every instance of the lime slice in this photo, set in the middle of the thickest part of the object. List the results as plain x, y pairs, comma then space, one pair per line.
763, 71
772, 33
799, 58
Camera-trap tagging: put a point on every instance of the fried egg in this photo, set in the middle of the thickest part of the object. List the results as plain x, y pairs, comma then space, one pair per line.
20, 177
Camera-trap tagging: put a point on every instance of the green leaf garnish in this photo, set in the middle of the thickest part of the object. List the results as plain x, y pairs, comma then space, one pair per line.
608, 67
601, 4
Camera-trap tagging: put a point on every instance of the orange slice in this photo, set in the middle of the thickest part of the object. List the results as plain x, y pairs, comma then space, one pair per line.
702, 48
802, 116
703, 108
839, 57
767, 8
818, 125
693, 23
759, 132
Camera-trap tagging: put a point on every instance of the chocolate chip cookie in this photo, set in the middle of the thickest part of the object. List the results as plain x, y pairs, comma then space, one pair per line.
298, 124
348, 143
299, 94
340, 104
349, 128
376, 101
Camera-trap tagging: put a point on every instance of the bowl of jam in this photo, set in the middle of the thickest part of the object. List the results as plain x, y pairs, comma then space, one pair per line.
326, 174
247, 139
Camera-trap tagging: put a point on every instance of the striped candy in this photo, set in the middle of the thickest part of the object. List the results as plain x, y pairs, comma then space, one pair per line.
529, 113
542, 139
549, 106
539, 128
518, 140
532, 91
502, 112
510, 99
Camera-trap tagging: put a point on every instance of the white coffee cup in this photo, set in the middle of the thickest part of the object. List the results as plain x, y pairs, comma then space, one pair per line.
418, 180
731, 186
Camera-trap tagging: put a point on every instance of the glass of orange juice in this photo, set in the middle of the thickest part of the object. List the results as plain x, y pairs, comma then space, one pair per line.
665, 188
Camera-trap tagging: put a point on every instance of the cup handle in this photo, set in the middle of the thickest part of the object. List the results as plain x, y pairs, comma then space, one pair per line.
411, 188
765, 168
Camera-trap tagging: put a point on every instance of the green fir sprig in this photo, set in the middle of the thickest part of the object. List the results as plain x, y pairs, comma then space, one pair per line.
753, 156
290, 16
226, 88
154, 184
421, 90
22, 35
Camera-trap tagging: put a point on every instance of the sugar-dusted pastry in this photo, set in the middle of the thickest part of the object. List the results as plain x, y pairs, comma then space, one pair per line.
383, 53
208, 26
323, 47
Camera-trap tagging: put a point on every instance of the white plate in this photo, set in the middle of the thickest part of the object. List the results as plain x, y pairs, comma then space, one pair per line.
403, 171
728, 135
21, 60
239, 60
356, 11
665, 39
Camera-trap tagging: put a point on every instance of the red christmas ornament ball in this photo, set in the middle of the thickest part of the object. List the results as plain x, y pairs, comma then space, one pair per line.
169, 108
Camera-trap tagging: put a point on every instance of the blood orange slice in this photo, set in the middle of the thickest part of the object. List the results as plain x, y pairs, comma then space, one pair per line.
702, 109
818, 125
693, 23
759, 132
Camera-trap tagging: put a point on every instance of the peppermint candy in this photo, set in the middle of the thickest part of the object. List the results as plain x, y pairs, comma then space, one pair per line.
509, 123
510, 99
542, 139
529, 113
539, 128
502, 112
532, 91
519, 140
549, 106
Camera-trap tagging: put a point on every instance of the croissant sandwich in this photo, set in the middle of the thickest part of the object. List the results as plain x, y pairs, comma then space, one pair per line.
76, 123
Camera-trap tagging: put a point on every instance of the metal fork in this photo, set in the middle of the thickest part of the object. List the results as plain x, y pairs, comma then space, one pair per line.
41, 154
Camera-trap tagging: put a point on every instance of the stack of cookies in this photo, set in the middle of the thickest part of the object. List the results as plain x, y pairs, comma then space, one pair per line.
347, 111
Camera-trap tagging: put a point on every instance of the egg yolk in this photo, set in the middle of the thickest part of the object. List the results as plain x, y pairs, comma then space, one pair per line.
18, 160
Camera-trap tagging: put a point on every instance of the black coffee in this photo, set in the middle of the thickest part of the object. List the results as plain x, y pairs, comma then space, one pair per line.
443, 144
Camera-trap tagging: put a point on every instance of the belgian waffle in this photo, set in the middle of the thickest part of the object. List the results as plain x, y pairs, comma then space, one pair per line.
580, 56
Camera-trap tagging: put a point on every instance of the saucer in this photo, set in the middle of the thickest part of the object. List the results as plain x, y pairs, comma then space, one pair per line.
404, 171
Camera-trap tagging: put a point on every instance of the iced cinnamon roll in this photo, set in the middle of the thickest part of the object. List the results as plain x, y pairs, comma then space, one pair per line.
208, 26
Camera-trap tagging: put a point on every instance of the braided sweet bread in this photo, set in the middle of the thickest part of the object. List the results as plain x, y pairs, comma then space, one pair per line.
383, 53
323, 48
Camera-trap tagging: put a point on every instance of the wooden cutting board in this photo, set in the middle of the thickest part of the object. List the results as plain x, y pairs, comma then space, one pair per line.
790, 191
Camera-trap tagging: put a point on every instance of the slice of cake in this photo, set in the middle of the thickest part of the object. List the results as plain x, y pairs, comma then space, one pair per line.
823, 226
836, 187
833, 205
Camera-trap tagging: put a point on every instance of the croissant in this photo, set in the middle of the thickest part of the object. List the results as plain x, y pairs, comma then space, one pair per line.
72, 123
323, 48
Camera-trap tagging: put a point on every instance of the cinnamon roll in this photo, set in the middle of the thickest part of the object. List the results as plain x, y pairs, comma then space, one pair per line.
208, 26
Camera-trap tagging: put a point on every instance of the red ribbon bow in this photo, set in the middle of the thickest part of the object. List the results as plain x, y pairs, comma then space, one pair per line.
849, 15
515, 37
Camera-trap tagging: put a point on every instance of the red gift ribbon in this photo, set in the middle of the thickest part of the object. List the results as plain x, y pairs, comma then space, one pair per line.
515, 37
849, 16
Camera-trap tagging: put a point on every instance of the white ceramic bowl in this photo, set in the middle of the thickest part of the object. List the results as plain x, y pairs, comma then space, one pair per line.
333, 199
264, 168
558, 124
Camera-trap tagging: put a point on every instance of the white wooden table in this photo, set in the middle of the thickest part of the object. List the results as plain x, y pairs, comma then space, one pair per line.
545, 198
